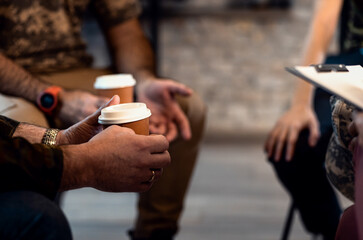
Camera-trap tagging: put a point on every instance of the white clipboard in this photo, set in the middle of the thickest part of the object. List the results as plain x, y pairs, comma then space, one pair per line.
347, 85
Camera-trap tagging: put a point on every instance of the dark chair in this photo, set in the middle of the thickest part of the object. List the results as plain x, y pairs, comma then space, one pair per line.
288, 222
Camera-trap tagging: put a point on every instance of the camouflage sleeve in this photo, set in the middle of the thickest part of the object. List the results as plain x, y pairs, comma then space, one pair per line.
32, 167
111, 12
7, 126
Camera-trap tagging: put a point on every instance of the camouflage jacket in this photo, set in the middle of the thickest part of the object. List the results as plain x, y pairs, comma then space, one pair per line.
339, 163
25, 166
45, 36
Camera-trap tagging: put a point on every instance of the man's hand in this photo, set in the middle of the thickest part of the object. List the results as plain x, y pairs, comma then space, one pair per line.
83, 131
167, 117
287, 130
77, 105
115, 160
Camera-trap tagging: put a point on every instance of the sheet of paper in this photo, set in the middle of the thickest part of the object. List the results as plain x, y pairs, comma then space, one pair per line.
348, 85
5, 104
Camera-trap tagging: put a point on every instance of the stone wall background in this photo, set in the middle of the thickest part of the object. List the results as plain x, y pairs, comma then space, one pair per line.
235, 60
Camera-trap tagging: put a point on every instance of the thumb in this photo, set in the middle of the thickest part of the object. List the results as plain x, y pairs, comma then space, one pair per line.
113, 101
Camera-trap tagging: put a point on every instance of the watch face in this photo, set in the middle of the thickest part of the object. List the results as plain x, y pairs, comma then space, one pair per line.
47, 100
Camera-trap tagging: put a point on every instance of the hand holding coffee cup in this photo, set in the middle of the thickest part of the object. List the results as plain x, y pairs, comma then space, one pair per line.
116, 84
131, 115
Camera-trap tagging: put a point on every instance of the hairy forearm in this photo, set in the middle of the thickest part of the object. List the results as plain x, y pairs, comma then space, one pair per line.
131, 50
15, 81
321, 32
34, 134
31, 133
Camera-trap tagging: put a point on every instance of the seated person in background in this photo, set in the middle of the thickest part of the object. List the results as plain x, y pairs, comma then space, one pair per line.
297, 144
80, 156
41, 46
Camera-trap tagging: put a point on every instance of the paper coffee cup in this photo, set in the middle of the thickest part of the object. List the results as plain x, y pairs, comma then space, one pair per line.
131, 115
116, 84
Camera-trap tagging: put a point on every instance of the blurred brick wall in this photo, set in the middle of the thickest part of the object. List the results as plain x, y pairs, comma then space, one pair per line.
235, 61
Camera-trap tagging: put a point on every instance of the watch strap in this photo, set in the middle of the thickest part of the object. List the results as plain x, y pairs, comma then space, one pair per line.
49, 137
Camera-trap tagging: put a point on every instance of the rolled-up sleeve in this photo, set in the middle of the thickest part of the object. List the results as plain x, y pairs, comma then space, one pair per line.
113, 12
7, 126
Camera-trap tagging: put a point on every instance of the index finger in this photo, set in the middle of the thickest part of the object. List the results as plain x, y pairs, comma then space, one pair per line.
182, 122
281, 140
172, 131
271, 141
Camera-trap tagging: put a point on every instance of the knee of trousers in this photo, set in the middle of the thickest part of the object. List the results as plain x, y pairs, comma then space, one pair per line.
29, 215
24, 111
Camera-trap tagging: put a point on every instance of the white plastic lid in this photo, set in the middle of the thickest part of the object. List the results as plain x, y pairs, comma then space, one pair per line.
124, 113
114, 81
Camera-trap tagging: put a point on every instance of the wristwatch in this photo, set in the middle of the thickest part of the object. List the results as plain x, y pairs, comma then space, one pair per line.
47, 100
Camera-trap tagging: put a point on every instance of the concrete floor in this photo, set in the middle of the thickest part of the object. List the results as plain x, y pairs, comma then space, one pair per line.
234, 195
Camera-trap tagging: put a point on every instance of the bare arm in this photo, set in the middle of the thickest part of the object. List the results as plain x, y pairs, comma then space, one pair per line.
131, 50
16, 81
31, 133
321, 32
301, 114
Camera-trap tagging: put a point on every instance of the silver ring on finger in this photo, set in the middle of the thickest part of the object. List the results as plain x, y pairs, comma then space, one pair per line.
152, 177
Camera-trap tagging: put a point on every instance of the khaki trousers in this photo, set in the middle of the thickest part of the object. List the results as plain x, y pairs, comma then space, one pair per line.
161, 207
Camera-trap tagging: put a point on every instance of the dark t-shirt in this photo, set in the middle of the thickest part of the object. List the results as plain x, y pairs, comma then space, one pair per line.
351, 26
45, 35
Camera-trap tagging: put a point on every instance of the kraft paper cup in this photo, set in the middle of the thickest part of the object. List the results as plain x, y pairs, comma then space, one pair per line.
132, 115
116, 84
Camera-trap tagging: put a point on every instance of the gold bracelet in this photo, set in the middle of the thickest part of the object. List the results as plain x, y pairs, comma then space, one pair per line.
49, 136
